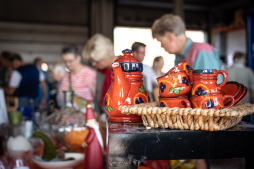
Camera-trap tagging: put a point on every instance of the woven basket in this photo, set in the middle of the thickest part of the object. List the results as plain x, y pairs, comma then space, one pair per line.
188, 118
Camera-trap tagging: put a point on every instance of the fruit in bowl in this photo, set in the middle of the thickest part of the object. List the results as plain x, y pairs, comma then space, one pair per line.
67, 129
54, 159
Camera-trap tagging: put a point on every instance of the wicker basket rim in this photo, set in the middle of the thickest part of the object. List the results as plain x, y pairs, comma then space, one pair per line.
153, 108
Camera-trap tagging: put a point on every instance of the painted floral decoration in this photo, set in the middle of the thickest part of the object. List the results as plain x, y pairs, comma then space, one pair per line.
142, 89
139, 100
176, 90
185, 81
162, 87
200, 91
188, 67
109, 108
162, 104
210, 104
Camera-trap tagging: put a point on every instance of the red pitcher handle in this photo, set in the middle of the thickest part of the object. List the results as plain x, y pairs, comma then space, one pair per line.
232, 100
225, 77
186, 103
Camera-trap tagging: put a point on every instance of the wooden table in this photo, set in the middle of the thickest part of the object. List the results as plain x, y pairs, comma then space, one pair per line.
129, 143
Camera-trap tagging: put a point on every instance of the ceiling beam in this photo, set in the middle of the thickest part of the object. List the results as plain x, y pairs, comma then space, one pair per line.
160, 5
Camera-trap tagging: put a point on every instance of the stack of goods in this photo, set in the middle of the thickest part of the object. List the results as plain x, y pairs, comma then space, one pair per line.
184, 88
175, 87
192, 99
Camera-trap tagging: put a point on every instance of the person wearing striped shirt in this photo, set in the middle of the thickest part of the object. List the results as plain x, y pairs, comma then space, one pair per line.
83, 78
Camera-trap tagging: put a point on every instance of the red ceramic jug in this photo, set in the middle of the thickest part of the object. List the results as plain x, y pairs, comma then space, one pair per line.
126, 88
205, 81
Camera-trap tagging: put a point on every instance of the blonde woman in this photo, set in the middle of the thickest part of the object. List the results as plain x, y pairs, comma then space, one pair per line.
100, 51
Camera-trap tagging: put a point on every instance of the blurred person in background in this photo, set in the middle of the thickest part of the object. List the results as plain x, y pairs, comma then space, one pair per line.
99, 51
158, 64
83, 78
170, 29
242, 74
58, 71
38, 62
5, 68
24, 82
149, 77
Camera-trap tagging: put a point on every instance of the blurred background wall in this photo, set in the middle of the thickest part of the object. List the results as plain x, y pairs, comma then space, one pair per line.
41, 27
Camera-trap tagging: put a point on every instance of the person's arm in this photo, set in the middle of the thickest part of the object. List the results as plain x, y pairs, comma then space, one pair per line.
43, 103
155, 86
14, 83
43, 84
9, 90
156, 93
91, 81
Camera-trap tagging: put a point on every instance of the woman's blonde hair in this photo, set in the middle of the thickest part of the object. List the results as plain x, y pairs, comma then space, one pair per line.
98, 47
168, 23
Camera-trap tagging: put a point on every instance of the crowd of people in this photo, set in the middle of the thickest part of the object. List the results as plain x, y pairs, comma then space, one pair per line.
36, 89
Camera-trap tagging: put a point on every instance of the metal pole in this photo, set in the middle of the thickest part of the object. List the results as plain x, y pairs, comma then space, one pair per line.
249, 38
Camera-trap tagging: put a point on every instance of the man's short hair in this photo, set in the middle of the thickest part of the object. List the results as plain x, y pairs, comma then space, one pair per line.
16, 56
73, 49
168, 23
136, 45
6, 55
238, 55
37, 60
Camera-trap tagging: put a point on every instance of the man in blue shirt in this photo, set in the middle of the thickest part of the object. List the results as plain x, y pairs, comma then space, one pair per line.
24, 83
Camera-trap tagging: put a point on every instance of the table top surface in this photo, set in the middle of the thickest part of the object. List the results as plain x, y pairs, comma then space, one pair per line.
134, 139
140, 128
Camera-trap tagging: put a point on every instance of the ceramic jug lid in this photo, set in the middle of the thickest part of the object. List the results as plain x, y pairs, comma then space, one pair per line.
129, 63
203, 71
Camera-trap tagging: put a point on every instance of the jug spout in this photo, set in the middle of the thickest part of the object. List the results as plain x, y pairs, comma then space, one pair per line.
121, 85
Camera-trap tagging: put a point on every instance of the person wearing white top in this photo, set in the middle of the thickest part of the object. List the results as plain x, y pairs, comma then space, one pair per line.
149, 77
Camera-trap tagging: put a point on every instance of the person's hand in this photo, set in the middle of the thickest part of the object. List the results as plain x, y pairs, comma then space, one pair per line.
43, 104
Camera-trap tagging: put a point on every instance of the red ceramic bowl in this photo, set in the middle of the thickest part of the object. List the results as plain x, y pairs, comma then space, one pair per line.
181, 102
232, 88
182, 66
241, 96
174, 85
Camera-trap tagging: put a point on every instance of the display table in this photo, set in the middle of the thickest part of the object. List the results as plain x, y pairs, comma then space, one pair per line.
129, 143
